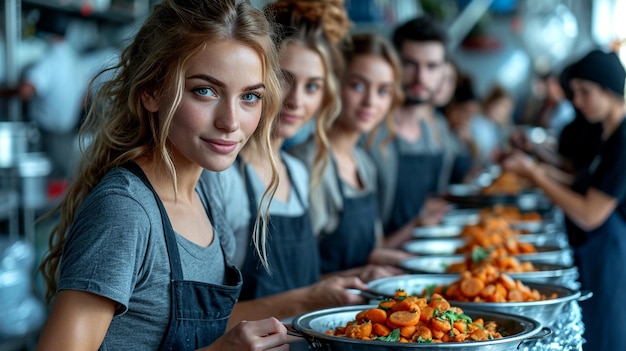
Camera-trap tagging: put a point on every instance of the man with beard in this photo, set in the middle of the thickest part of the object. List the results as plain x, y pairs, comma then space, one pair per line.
411, 155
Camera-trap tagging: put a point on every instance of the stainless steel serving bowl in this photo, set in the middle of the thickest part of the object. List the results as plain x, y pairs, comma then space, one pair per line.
550, 237
313, 326
546, 273
448, 246
544, 311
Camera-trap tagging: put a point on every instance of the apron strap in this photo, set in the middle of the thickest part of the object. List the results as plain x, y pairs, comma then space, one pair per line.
170, 236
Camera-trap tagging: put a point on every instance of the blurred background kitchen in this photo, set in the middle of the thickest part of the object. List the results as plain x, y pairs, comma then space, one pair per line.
51, 49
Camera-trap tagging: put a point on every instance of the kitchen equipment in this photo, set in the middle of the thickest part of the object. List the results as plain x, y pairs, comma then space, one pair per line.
33, 169
545, 273
551, 236
469, 195
544, 311
313, 326
14, 142
562, 315
450, 245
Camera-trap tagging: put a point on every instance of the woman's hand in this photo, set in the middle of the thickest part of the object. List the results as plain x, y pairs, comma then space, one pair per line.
265, 334
374, 271
332, 292
521, 164
386, 256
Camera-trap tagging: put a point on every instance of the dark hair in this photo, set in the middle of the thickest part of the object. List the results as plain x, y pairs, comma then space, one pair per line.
420, 29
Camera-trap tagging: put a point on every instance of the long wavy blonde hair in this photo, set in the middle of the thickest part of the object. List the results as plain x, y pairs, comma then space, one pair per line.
119, 126
322, 26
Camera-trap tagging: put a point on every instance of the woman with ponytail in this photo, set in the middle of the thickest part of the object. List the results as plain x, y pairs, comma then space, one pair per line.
127, 267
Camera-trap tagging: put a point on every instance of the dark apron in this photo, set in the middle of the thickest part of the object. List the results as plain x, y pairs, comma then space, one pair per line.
600, 256
417, 178
199, 311
291, 252
354, 238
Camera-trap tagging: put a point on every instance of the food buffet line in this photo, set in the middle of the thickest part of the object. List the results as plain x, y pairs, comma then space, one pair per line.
496, 274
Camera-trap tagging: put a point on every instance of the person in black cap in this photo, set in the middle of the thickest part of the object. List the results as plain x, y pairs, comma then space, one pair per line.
595, 204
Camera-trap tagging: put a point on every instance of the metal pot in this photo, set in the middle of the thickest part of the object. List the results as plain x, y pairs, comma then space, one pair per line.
544, 311
545, 273
313, 326
14, 140
448, 246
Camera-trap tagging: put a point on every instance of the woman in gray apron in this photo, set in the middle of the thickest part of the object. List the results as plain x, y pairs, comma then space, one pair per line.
345, 205
595, 206
292, 286
127, 267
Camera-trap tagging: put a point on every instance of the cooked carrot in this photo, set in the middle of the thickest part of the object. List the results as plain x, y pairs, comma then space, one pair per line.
437, 334
438, 302
408, 331
386, 304
424, 333
359, 331
426, 313
472, 286
515, 296
507, 281
360, 317
479, 334
405, 318
410, 303
400, 293
461, 326
441, 324
375, 315
380, 329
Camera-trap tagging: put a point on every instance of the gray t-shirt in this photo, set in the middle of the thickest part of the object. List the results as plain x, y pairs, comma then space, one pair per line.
116, 248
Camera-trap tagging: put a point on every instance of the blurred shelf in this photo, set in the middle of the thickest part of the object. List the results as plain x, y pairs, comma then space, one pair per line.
115, 14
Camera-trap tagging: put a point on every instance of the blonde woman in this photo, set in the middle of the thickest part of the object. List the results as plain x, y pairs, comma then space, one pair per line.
128, 262
344, 206
307, 37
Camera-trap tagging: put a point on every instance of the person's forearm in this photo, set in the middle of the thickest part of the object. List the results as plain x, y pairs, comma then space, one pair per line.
571, 203
557, 174
280, 306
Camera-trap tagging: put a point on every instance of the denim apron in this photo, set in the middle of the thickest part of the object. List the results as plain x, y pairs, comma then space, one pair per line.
199, 311
291, 252
600, 255
417, 178
354, 238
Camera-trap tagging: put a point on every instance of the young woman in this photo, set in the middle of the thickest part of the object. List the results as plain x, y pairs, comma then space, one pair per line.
141, 257
344, 207
595, 205
288, 288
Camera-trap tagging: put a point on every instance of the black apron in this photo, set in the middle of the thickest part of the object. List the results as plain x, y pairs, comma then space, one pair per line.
600, 256
354, 238
291, 251
417, 178
199, 311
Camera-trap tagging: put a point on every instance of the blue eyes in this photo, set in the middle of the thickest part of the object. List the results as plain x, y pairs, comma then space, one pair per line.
358, 87
204, 91
312, 87
251, 97
361, 87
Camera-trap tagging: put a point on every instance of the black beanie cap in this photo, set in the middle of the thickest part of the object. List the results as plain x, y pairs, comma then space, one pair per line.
602, 68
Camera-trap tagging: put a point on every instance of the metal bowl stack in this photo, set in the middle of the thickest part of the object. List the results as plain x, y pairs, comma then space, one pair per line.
562, 315
313, 326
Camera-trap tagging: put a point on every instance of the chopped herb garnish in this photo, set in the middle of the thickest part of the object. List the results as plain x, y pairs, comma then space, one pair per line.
479, 254
394, 336
423, 341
